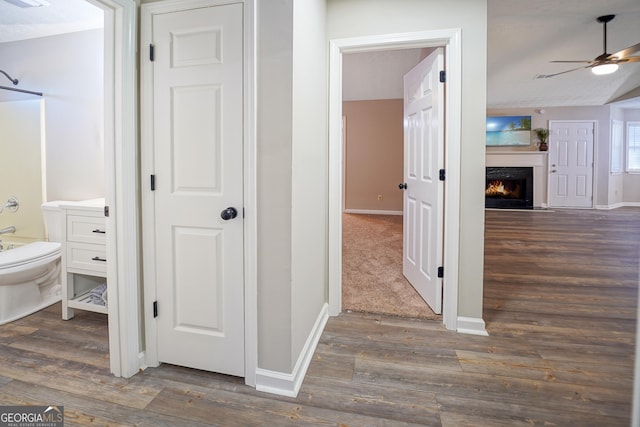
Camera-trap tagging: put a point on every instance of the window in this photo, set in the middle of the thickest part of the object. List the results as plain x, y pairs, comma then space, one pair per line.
633, 146
617, 147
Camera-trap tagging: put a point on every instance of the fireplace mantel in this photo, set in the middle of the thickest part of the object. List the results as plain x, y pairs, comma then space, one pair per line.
535, 159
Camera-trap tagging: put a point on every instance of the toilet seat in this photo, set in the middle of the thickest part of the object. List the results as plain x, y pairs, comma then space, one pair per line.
29, 254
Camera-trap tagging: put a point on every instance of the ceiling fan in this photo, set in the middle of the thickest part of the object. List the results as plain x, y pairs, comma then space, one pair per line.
606, 63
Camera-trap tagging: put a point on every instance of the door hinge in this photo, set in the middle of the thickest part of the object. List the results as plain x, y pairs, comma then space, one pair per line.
441, 272
442, 175
443, 76
106, 211
152, 52
153, 182
155, 309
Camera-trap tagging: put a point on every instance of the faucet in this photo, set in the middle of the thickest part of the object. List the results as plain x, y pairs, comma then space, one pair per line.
9, 229
12, 204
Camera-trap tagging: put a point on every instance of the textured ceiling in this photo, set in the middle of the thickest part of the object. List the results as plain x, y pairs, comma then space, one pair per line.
62, 16
523, 36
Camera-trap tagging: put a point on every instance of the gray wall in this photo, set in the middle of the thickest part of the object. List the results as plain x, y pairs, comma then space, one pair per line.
309, 169
292, 177
354, 18
68, 69
274, 134
631, 182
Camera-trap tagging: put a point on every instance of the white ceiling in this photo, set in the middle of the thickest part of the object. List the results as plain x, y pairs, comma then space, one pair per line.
522, 37
62, 16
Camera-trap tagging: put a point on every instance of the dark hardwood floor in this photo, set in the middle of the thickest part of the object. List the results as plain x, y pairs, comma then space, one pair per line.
560, 306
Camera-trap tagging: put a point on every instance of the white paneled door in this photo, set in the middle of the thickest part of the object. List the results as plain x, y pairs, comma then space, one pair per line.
423, 190
571, 164
198, 165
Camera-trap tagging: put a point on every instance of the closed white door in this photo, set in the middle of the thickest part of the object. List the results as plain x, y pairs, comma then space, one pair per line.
423, 195
571, 164
198, 168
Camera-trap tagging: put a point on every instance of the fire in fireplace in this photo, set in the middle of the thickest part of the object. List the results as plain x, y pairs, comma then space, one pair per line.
509, 187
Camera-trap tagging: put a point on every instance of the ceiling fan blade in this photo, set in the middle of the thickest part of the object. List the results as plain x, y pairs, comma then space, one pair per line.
571, 62
625, 53
631, 59
546, 76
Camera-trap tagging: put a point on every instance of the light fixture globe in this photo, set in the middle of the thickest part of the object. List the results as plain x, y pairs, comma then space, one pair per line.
603, 69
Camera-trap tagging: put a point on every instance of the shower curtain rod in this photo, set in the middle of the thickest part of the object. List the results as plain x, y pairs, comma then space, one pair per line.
21, 90
15, 82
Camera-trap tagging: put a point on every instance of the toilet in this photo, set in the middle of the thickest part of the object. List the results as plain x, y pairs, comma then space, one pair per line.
53, 217
30, 274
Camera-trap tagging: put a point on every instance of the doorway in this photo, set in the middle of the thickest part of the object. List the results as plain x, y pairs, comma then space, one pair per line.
376, 131
450, 40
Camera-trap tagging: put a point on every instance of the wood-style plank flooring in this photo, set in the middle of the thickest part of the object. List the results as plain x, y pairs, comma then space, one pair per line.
560, 306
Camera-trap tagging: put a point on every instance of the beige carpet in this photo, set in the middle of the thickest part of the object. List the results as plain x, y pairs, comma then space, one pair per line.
372, 279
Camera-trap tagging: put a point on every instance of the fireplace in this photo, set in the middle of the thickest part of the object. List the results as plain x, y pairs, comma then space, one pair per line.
509, 188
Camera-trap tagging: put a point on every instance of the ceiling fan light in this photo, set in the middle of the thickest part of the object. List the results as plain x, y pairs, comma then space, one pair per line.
603, 69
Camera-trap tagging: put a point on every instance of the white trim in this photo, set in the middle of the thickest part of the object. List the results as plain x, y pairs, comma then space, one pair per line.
371, 212
147, 197
121, 177
472, 326
250, 197
249, 185
618, 205
289, 384
451, 40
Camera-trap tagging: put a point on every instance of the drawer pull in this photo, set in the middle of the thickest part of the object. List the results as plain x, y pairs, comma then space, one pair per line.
97, 258
97, 230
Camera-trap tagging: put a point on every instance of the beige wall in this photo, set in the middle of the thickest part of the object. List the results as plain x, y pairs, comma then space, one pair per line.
358, 18
374, 146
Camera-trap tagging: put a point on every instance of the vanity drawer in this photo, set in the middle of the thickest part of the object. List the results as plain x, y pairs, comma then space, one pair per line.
86, 229
87, 257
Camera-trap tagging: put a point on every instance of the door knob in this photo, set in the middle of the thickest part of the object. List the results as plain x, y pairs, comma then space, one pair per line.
229, 213
553, 171
402, 186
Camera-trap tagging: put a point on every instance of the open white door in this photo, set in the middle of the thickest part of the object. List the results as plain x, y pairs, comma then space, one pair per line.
423, 196
198, 168
571, 164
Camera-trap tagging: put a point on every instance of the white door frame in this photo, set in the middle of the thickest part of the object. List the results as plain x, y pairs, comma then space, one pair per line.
451, 39
250, 196
121, 177
594, 156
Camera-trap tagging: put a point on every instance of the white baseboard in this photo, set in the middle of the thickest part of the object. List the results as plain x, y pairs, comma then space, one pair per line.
471, 325
371, 212
618, 205
289, 385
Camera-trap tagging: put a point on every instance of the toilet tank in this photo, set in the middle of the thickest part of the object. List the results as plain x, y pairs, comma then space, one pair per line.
53, 220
